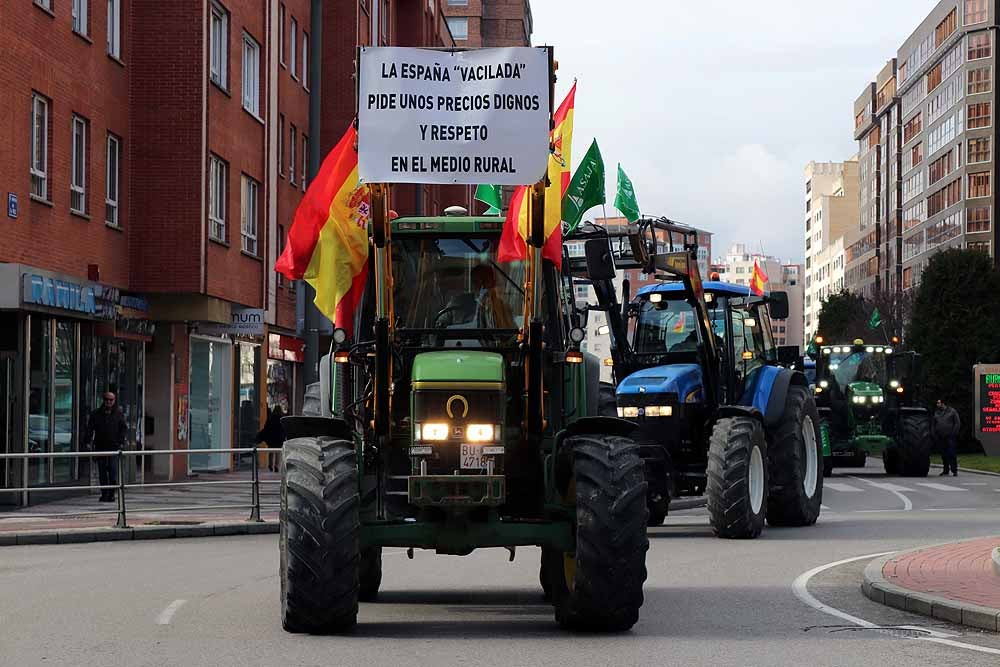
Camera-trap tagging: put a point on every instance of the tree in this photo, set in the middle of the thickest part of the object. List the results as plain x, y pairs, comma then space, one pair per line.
843, 317
956, 324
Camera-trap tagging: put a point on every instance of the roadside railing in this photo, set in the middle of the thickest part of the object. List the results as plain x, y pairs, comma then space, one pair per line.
122, 486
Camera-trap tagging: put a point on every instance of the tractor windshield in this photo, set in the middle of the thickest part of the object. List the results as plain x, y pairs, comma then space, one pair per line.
856, 365
453, 285
671, 326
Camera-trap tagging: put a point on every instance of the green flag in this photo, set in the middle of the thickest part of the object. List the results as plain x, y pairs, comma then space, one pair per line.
875, 320
489, 195
625, 198
586, 189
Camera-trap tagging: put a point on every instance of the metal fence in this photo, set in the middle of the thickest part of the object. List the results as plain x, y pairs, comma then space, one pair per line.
122, 457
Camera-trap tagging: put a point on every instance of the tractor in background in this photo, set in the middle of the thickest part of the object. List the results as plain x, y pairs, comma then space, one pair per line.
696, 369
869, 402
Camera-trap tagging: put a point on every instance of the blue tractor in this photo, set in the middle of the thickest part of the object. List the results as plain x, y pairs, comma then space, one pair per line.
697, 370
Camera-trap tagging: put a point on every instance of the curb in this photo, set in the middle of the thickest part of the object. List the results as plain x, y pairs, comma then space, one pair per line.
876, 588
687, 503
971, 471
996, 561
84, 535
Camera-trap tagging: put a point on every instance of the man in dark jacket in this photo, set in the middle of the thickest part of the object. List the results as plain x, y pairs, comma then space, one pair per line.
946, 427
108, 432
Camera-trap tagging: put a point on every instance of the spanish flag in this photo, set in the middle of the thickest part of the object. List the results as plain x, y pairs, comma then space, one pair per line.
758, 280
328, 240
513, 244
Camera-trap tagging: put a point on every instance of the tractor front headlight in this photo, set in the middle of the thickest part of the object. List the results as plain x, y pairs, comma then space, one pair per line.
659, 411
628, 412
434, 431
480, 432
824, 383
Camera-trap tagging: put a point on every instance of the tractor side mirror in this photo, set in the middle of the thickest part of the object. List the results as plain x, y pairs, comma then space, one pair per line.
788, 356
600, 263
778, 305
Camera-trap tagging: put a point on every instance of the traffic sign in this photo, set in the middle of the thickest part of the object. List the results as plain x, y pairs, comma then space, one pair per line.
11, 205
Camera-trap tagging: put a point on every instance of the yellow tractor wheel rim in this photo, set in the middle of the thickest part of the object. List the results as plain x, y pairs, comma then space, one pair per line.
569, 570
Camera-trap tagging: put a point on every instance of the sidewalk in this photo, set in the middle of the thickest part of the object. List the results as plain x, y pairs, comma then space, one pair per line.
955, 582
222, 500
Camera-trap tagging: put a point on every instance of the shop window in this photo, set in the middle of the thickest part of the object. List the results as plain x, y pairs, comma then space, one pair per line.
248, 395
64, 396
39, 398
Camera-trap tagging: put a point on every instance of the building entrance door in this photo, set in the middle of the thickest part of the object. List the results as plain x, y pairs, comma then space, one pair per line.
10, 469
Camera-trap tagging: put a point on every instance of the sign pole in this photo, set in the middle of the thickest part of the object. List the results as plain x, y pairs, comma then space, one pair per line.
306, 294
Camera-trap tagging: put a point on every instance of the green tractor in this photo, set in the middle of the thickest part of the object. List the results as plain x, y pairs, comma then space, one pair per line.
464, 416
868, 402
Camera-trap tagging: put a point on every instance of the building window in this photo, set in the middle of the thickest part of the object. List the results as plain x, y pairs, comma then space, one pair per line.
939, 168
281, 34
979, 185
220, 46
305, 60
912, 128
248, 216
251, 75
114, 28
47, 4
980, 46
975, 12
934, 78
980, 80
80, 16
305, 161
459, 28
78, 167
39, 146
293, 53
292, 137
281, 250
979, 150
945, 197
979, 246
281, 145
458, 3
980, 115
945, 28
111, 179
977, 220
916, 154
217, 198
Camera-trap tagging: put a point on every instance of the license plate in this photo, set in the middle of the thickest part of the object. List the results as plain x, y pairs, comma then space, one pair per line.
471, 457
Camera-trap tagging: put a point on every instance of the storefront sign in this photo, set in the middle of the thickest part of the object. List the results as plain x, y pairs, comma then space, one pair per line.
988, 407
478, 116
58, 293
248, 322
285, 348
11, 205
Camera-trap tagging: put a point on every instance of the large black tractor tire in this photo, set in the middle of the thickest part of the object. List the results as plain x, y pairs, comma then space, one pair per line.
915, 445
370, 574
827, 466
795, 455
312, 402
607, 401
318, 541
737, 478
890, 461
599, 588
860, 459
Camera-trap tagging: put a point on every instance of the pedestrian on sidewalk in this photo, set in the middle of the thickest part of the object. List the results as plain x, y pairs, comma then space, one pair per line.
107, 432
273, 437
946, 427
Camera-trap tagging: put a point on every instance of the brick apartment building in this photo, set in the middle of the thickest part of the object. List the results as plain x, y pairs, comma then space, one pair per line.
926, 133
155, 155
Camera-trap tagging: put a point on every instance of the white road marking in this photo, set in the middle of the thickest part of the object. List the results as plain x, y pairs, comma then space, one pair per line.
950, 509
824, 508
167, 614
800, 588
894, 489
973, 483
843, 488
940, 487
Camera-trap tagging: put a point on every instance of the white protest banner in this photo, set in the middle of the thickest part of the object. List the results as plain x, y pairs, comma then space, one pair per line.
479, 116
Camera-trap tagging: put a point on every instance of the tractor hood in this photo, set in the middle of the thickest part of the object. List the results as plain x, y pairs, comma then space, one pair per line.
459, 367
678, 379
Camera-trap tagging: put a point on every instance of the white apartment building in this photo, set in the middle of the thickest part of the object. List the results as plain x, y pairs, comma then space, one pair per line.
831, 225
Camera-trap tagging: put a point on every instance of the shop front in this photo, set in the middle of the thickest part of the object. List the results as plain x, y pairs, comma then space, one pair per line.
285, 356
58, 354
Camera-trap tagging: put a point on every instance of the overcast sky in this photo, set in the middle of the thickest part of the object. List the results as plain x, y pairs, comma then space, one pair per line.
714, 107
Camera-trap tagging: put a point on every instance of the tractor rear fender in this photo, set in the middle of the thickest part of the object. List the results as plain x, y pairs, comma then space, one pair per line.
739, 411
300, 426
772, 390
909, 410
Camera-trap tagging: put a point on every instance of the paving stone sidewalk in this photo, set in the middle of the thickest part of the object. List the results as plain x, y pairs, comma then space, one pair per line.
956, 582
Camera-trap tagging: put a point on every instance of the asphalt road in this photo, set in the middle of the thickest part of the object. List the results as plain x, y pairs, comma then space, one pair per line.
708, 601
